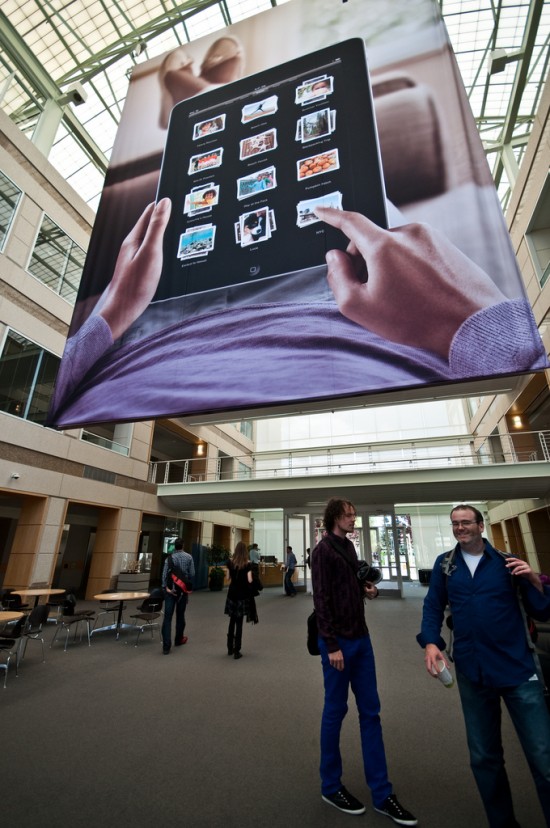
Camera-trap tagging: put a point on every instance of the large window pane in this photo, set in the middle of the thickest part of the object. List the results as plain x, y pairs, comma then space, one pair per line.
9, 199
57, 261
39, 400
27, 376
538, 235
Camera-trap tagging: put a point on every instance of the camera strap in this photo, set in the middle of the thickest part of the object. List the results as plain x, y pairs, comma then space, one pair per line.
342, 553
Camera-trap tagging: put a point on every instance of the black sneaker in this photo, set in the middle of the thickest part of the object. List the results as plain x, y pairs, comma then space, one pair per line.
394, 810
165, 650
345, 802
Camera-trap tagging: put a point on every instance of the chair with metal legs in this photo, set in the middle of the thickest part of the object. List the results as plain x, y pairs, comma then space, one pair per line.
149, 612
9, 645
71, 618
108, 608
32, 630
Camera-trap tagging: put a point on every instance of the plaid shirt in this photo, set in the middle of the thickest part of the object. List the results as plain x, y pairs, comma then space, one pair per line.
337, 594
184, 561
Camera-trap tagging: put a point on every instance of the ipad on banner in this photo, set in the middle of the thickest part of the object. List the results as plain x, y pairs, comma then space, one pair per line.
245, 165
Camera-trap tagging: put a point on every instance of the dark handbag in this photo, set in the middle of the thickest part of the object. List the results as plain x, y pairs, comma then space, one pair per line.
312, 635
256, 586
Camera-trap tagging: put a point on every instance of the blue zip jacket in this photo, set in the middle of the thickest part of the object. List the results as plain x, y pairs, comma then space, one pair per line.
490, 643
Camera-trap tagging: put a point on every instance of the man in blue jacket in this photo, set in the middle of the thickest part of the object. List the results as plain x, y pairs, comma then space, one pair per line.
492, 656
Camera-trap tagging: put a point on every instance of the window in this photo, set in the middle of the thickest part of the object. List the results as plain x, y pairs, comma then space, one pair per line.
111, 436
244, 472
246, 428
57, 261
9, 199
538, 235
27, 376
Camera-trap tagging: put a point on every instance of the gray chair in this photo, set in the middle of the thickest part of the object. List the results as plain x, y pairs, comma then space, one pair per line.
108, 608
71, 618
32, 630
149, 613
13, 601
9, 644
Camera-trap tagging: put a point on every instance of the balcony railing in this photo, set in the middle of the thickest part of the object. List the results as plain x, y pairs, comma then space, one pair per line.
438, 453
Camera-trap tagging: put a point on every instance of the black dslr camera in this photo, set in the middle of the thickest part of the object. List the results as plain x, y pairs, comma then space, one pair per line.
369, 573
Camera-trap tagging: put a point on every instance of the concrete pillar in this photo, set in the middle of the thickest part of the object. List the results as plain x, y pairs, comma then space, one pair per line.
26, 543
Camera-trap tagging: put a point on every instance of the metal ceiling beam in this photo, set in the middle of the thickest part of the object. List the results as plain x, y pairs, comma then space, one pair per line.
28, 65
522, 72
124, 46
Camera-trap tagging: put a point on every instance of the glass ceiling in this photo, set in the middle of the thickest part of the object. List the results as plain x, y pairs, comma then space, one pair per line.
48, 45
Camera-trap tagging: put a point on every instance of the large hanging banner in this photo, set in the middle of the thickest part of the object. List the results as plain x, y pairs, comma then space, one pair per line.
298, 210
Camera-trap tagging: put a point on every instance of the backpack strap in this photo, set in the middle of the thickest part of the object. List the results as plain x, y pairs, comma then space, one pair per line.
349, 563
447, 565
528, 634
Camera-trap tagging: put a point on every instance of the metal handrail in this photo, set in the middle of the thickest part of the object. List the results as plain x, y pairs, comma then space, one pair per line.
403, 455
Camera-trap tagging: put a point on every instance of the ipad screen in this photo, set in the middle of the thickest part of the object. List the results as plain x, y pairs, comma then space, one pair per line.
245, 165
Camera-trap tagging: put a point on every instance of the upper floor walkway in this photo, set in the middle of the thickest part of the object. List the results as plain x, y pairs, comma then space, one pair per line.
431, 470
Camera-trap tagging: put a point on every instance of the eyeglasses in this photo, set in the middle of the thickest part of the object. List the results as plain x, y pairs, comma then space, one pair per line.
457, 523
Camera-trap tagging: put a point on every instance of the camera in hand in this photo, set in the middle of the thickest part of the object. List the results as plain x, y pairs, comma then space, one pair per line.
369, 573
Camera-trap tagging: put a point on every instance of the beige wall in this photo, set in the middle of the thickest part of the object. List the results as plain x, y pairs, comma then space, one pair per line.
57, 470
525, 516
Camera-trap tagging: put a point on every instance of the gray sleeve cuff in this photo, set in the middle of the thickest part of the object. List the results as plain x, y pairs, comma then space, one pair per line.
81, 352
500, 339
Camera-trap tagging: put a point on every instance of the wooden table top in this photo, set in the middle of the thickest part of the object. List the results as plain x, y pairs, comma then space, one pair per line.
38, 591
10, 615
121, 596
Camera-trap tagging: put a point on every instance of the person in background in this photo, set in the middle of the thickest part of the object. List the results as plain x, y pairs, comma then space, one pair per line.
308, 564
177, 581
493, 657
348, 661
291, 564
254, 554
240, 602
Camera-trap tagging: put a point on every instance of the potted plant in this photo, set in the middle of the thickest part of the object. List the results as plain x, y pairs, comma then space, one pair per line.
216, 556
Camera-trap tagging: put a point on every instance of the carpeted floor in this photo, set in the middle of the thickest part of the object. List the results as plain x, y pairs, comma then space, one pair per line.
116, 736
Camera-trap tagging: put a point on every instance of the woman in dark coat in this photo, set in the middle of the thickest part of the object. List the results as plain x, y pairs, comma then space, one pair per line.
240, 600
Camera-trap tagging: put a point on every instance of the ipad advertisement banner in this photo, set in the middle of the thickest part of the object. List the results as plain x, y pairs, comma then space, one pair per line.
298, 210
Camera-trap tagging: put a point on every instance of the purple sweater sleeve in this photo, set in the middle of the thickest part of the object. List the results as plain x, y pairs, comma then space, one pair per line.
500, 339
81, 352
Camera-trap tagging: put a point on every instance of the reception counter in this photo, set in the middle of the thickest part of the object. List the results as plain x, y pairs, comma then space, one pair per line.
271, 574
133, 581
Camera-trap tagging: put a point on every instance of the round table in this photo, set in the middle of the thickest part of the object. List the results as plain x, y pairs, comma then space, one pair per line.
36, 593
10, 615
121, 597
5, 617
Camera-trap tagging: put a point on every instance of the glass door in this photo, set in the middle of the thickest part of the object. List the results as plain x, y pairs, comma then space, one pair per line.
382, 544
382, 547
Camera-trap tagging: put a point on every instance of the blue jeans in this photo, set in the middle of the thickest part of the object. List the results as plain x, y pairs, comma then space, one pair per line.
529, 714
290, 589
171, 603
359, 672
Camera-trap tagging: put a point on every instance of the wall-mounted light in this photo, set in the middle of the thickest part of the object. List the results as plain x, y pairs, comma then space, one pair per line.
517, 421
200, 448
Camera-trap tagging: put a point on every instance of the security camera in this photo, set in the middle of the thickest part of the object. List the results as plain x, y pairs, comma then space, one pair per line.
75, 94
15, 476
